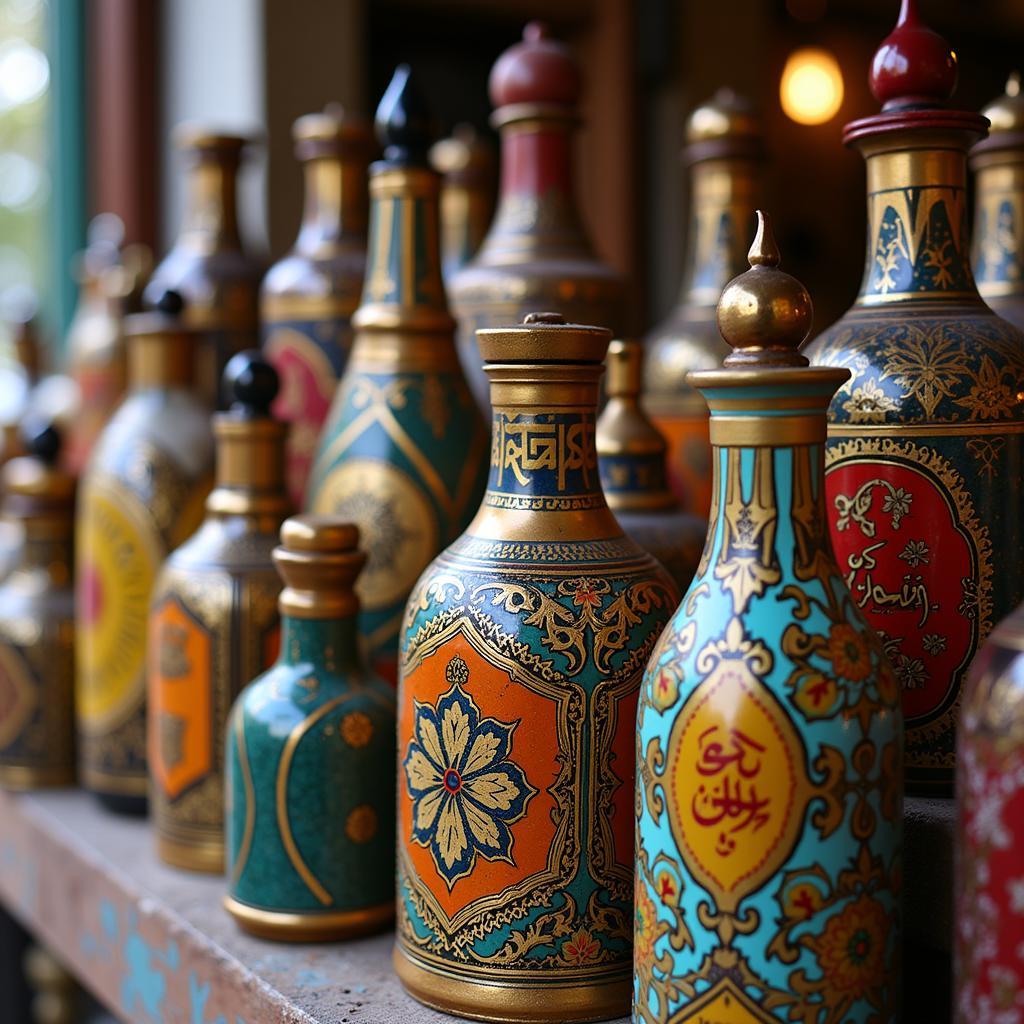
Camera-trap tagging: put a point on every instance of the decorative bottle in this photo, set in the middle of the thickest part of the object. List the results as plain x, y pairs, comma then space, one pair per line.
311, 759
403, 454
208, 264
925, 437
466, 162
213, 624
536, 254
631, 459
725, 155
998, 165
307, 298
37, 621
769, 768
141, 496
522, 650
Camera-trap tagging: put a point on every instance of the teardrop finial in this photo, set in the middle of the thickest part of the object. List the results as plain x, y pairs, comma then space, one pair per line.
914, 66
42, 440
404, 122
764, 314
251, 384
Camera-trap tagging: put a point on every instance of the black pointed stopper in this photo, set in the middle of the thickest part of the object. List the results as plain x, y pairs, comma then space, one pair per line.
170, 302
404, 122
250, 383
42, 440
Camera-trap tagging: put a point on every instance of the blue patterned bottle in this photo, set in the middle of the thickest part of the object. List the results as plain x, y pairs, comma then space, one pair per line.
769, 778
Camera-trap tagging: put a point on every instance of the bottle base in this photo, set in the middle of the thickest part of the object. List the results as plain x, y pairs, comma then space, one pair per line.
523, 1004
205, 856
303, 927
124, 803
22, 778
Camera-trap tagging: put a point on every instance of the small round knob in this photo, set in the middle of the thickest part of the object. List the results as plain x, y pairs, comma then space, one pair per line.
250, 383
323, 534
42, 440
1006, 113
914, 66
540, 69
404, 123
543, 318
764, 314
170, 303
625, 369
725, 115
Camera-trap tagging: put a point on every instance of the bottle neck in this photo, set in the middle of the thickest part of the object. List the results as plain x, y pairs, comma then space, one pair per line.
250, 469
333, 211
631, 458
211, 212
998, 253
331, 644
918, 244
161, 361
723, 196
465, 218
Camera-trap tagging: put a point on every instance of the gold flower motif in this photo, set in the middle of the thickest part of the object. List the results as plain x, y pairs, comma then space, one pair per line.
356, 729
869, 403
361, 824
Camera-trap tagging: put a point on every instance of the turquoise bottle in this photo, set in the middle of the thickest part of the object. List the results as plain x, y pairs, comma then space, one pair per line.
769, 744
310, 789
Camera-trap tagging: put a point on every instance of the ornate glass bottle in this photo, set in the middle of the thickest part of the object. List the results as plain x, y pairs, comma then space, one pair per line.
769, 775
307, 299
208, 264
466, 162
998, 165
37, 622
140, 497
990, 831
925, 437
725, 152
311, 759
536, 254
403, 452
631, 459
522, 650
213, 624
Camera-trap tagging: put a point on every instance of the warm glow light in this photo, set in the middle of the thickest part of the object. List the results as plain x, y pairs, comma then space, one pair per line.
811, 89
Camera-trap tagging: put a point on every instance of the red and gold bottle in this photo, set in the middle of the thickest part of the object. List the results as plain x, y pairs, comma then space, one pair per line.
926, 439
725, 154
536, 254
998, 165
466, 162
37, 622
208, 265
213, 622
631, 457
141, 495
307, 298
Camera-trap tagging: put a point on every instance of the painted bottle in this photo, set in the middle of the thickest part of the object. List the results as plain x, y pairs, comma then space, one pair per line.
403, 452
926, 435
37, 621
631, 457
307, 298
208, 264
311, 759
769, 758
725, 154
523, 647
213, 623
998, 165
536, 254
141, 496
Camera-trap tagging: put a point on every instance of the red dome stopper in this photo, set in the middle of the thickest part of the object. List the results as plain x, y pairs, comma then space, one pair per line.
537, 70
914, 66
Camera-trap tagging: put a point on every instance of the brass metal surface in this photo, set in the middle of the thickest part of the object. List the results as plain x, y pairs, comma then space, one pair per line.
327, 927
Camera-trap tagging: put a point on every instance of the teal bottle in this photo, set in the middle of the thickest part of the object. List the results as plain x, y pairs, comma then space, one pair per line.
769, 732
311, 759
403, 453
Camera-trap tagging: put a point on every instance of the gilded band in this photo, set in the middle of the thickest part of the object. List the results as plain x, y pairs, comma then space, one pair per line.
300, 927
775, 431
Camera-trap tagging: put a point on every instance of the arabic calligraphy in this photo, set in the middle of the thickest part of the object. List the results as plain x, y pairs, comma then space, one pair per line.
562, 449
911, 595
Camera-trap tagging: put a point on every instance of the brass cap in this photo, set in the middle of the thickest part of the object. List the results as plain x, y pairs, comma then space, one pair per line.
204, 141
161, 349
725, 115
464, 157
625, 369
329, 132
319, 561
764, 314
35, 485
1006, 113
544, 338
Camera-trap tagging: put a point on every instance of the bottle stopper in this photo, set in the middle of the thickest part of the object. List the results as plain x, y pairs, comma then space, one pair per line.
404, 123
464, 157
250, 384
1006, 118
764, 314
331, 132
319, 561
543, 338
725, 126
35, 483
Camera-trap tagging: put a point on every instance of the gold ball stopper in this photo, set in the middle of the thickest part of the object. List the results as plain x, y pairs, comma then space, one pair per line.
764, 314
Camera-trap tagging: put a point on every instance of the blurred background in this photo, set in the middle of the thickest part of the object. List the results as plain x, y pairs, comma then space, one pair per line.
89, 90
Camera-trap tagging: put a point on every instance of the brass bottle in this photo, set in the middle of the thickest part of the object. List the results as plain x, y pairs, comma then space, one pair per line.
926, 439
998, 165
466, 162
307, 298
403, 454
142, 494
37, 621
213, 622
725, 154
631, 459
208, 264
536, 254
